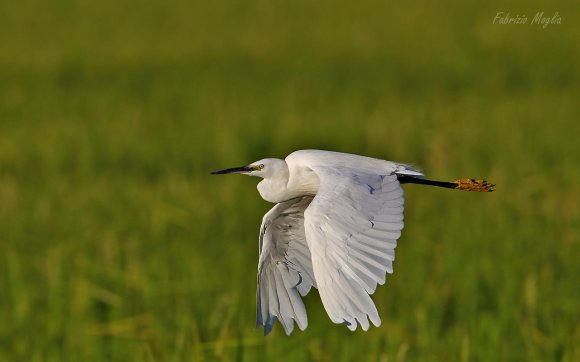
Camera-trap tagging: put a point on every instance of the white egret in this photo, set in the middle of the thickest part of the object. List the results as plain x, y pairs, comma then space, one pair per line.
334, 227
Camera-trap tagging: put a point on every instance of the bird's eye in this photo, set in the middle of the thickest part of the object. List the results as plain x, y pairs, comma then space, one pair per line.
261, 166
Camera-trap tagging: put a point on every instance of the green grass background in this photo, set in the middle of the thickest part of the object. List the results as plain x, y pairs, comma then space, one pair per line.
117, 245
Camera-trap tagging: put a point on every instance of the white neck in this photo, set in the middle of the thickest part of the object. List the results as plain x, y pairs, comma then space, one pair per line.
281, 187
275, 189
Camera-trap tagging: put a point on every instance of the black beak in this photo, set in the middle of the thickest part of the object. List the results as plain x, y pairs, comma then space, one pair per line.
241, 169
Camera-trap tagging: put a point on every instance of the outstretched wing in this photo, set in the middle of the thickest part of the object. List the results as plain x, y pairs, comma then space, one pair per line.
352, 227
285, 269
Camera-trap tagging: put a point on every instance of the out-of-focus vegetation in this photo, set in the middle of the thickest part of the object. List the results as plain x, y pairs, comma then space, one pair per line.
116, 244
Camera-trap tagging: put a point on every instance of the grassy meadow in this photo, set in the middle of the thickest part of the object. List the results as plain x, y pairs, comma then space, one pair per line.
117, 245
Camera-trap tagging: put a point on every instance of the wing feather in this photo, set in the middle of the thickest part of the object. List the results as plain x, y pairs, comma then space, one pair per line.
285, 272
351, 228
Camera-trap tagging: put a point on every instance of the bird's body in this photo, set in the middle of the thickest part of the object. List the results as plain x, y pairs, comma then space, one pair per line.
295, 176
334, 227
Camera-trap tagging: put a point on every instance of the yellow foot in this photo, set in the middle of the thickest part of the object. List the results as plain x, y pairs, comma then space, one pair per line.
469, 184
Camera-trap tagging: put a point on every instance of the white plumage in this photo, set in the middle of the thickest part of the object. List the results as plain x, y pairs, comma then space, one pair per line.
334, 227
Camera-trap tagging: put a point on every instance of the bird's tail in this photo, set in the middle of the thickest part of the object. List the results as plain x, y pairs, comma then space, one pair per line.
465, 184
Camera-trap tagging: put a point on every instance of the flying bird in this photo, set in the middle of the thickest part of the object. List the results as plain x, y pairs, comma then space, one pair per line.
334, 227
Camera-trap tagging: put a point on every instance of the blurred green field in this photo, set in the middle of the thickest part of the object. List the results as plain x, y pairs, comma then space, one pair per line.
117, 245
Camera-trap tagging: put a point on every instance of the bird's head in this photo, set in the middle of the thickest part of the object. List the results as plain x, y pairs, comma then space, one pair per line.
263, 168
